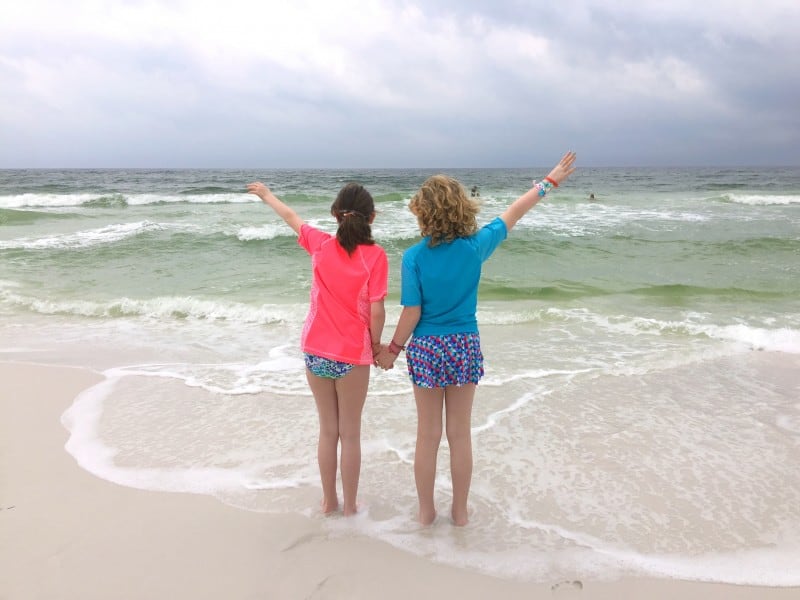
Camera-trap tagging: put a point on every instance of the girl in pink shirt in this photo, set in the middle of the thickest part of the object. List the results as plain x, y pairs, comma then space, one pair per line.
342, 331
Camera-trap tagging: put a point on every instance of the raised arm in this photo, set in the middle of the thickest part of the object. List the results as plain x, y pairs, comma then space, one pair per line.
529, 199
292, 219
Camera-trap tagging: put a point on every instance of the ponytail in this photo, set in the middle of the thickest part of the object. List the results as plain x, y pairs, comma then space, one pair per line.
353, 209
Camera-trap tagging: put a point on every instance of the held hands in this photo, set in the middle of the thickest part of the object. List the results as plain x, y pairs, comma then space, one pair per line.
563, 169
383, 358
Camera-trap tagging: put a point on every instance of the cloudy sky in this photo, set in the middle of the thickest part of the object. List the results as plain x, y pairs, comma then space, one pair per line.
398, 83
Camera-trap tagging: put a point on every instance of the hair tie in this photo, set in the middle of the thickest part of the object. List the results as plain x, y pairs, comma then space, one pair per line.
350, 213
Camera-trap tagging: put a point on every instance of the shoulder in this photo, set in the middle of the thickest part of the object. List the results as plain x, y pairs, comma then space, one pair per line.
372, 248
372, 252
307, 231
496, 225
414, 251
315, 230
494, 229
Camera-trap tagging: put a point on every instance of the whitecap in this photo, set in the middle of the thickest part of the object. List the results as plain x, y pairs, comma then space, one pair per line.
762, 199
84, 239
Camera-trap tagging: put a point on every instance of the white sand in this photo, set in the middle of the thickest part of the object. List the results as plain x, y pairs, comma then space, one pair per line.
67, 534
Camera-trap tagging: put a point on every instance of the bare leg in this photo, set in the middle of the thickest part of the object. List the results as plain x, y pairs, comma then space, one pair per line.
458, 406
324, 391
351, 391
429, 436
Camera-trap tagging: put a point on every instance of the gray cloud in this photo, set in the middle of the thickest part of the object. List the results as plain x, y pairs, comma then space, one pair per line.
383, 83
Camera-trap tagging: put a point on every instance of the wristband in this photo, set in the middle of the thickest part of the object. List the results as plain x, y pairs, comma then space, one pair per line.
542, 187
395, 348
551, 180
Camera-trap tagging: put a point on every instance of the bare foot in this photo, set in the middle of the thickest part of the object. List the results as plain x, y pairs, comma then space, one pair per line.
426, 518
460, 517
329, 507
349, 511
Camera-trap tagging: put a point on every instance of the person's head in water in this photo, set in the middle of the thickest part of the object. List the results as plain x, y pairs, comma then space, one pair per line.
354, 210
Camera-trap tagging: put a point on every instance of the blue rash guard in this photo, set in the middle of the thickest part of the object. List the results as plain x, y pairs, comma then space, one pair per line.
443, 280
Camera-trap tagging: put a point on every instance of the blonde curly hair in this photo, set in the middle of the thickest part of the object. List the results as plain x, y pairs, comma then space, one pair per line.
443, 210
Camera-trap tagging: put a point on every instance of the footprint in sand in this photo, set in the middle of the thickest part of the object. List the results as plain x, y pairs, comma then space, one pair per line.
567, 589
341, 585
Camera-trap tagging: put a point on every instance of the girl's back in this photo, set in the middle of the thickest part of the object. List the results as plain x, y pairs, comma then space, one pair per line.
343, 285
443, 280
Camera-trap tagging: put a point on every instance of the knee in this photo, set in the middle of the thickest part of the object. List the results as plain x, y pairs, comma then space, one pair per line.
329, 433
458, 435
430, 435
350, 435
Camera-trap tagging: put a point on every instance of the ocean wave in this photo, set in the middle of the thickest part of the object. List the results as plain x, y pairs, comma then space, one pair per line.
592, 219
194, 232
208, 189
558, 291
109, 201
264, 232
83, 239
15, 216
679, 291
391, 197
177, 308
778, 339
722, 186
782, 339
761, 199
117, 200
771, 245
574, 290
775, 565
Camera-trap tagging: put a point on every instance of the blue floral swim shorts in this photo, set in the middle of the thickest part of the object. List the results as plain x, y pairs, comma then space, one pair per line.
326, 367
436, 361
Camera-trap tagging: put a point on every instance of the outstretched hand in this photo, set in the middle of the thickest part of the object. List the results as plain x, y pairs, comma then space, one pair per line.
292, 219
259, 189
563, 169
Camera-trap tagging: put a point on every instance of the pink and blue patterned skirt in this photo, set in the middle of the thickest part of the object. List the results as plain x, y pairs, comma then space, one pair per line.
436, 361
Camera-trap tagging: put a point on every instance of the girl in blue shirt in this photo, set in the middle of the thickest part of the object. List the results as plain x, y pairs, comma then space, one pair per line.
439, 294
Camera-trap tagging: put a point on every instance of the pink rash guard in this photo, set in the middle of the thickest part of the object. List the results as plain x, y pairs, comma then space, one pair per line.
342, 288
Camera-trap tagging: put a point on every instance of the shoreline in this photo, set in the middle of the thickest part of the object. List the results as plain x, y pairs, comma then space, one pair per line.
73, 535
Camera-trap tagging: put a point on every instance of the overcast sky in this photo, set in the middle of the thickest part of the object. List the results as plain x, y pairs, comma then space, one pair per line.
385, 83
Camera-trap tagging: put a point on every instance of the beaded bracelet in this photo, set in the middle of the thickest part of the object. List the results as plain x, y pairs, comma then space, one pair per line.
543, 186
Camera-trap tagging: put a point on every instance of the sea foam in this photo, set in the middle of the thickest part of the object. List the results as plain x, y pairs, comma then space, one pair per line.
83, 239
762, 199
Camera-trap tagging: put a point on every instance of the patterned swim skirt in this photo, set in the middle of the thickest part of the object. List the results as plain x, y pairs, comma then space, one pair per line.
436, 361
326, 367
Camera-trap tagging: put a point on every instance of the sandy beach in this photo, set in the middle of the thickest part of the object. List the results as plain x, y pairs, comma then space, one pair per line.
67, 534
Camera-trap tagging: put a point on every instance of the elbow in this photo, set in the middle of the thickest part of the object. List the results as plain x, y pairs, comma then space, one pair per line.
377, 309
414, 313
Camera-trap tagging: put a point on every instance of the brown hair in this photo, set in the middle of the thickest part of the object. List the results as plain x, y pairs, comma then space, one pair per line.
353, 209
443, 210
